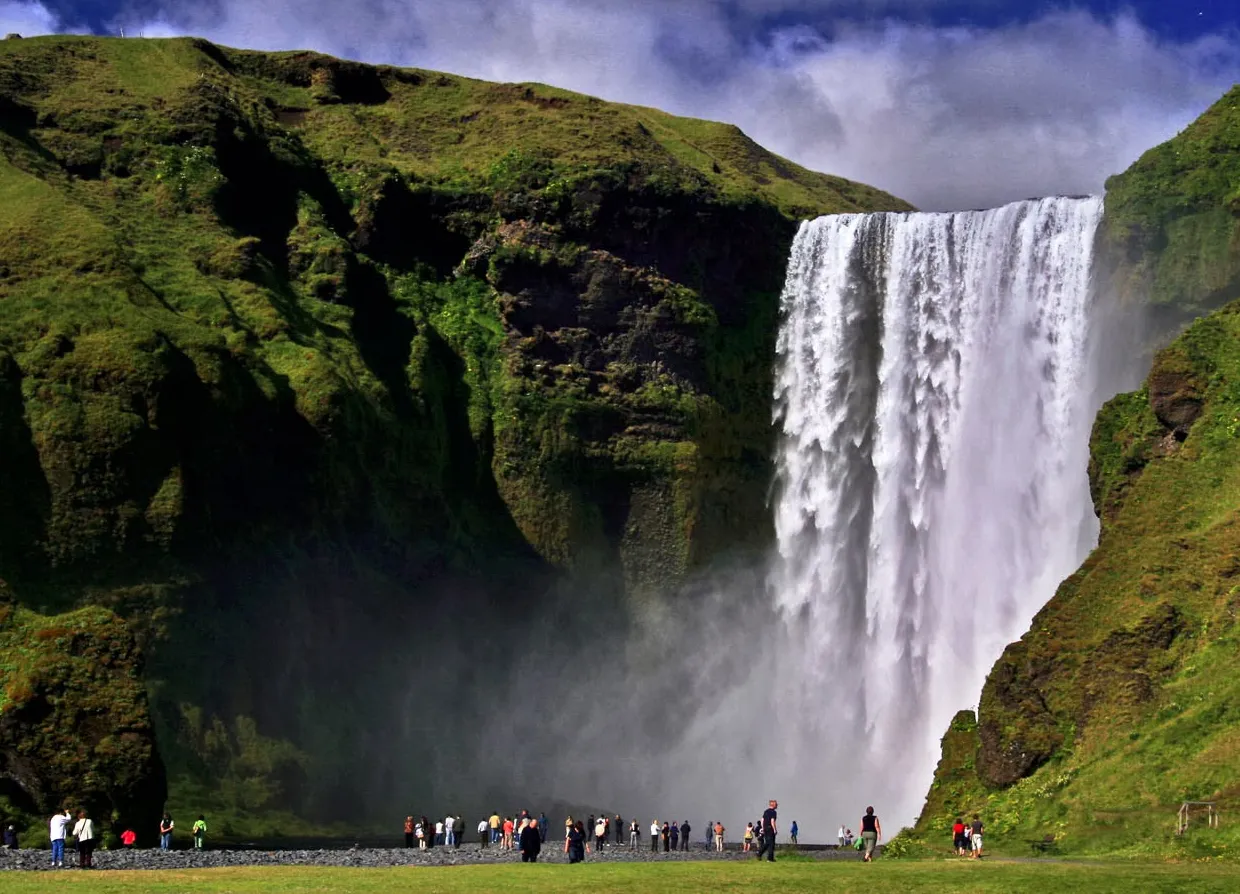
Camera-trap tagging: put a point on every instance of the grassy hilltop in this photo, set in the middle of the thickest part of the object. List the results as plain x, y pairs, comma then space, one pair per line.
1123, 699
302, 361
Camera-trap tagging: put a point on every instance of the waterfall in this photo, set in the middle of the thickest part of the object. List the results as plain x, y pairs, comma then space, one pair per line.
934, 398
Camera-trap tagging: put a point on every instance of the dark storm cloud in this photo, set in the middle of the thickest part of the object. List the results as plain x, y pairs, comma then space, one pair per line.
945, 117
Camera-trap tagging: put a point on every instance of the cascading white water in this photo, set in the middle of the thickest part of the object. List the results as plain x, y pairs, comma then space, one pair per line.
934, 395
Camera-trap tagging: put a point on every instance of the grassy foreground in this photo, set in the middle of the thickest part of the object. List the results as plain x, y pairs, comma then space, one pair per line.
789, 875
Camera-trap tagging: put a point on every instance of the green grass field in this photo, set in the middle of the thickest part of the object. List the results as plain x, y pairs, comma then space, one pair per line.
788, 875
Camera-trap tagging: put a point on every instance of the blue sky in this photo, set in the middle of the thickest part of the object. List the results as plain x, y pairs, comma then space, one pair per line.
948, 103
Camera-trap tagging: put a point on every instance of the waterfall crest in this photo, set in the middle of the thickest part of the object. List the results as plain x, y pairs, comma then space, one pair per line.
934, 400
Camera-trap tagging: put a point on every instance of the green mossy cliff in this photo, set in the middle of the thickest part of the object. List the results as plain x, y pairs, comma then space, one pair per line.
1170, 239
298, 357
1123, 699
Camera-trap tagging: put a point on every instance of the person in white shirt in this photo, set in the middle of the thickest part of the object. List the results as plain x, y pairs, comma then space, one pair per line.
484, 832
438, 833
56, 828
841, 836
84, 832
449, 826
654, 835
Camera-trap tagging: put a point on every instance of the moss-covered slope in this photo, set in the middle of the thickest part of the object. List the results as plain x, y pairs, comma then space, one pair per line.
1120, 702
1171, 236
74, 726
303, 361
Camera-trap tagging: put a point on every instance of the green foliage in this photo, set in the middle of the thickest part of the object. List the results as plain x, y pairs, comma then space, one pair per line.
903, 845
1172, 224
73, 714
190, 172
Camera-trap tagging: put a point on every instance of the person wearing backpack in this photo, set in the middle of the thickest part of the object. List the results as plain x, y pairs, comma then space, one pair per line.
199, 831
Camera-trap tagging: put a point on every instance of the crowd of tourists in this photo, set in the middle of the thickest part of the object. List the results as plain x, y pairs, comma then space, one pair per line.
524, 832
528, 834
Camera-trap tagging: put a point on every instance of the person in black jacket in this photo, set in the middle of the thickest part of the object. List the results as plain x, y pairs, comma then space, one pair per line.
530, 842
685, 829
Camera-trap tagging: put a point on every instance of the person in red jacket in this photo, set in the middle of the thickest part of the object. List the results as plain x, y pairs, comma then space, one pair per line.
128, 837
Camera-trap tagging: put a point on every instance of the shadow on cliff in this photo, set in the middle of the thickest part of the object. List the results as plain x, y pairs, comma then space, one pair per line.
25, 498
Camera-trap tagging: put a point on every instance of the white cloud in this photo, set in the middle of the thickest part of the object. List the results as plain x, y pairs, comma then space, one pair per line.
26, 19
945, 117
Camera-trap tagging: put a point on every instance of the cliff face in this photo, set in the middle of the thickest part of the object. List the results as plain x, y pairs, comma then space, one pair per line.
1118, 704
304, 364
1171, 236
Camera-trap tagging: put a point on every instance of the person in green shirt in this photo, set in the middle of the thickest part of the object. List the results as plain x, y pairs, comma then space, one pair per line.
200, 832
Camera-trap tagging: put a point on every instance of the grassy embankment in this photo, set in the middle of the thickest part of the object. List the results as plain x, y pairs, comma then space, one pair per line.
789, 876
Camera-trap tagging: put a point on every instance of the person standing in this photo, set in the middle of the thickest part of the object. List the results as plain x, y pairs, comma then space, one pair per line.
871, 833
748, 845
419, 832
685, 829
10, 837
409, 831
792, 832
56, 828
675, 835
843, 837
635, 834
84, 832
719, 830
530, 842
166, 825
618, 825
770, 828
575, 842
484, 832
710, 834
459, 825
654, 836
542, 827
449, 831
975, 840
958, 837
600, 834
508, 827
666, 834
496, 831
199, 831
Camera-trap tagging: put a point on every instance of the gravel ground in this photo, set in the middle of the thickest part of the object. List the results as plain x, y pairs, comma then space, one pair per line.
361, 857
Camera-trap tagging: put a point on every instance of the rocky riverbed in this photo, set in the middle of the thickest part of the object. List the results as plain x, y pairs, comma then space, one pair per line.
468, 854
